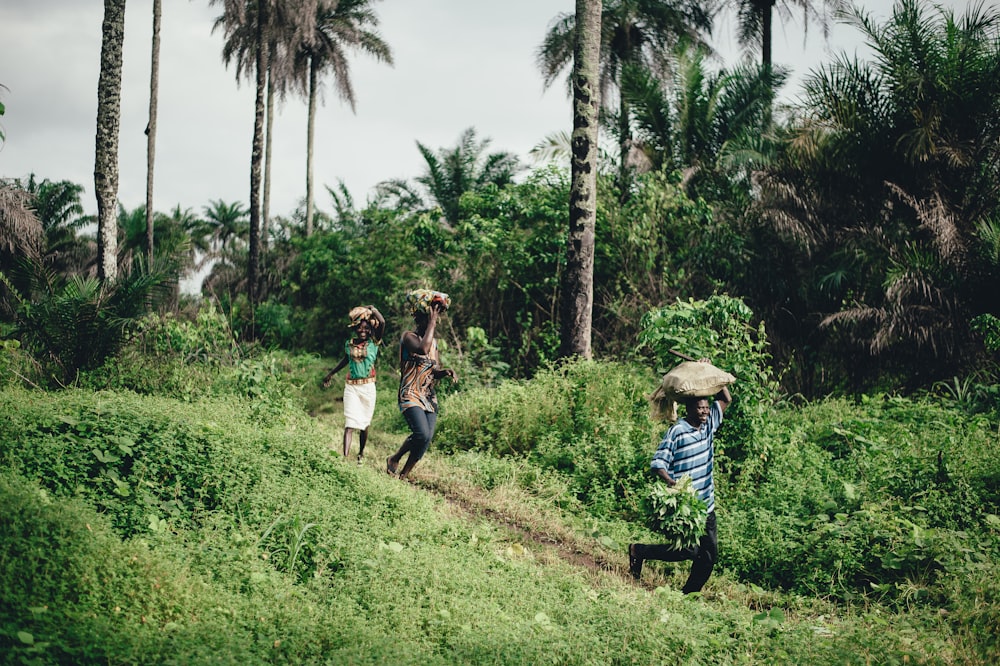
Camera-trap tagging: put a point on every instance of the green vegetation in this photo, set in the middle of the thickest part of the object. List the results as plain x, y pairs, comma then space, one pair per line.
171, 487
217, 523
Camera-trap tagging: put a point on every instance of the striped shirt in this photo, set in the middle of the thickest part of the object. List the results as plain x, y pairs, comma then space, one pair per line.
688, 450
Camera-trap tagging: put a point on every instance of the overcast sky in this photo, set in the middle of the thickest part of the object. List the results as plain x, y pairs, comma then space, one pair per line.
458, 64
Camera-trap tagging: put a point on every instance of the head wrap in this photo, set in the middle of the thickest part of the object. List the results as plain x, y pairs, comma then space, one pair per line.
358, 315
420, 300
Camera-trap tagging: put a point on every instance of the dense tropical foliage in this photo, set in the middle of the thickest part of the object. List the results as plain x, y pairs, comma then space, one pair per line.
859, 224
170, 491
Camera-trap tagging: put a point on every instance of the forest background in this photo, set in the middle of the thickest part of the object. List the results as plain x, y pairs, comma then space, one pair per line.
836, 255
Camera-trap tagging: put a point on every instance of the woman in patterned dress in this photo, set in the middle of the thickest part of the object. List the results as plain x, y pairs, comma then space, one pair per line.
420, 369
359, 387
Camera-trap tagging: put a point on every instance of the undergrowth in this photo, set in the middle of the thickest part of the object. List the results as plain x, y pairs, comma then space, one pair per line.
221, 527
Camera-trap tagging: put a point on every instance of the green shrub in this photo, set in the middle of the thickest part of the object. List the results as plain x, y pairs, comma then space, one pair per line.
585, 419
74, 593
75, 324
139, 461
869, 498
171, 356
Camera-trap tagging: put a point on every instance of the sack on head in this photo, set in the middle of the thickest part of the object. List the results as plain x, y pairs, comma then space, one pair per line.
690, 379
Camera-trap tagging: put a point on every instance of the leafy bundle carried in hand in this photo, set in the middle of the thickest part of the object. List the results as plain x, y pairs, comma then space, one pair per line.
678, 513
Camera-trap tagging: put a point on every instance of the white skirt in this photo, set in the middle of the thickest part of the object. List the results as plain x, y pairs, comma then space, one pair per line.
359, 405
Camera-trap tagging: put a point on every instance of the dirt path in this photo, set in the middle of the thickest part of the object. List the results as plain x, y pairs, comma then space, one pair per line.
549, 537
559, 542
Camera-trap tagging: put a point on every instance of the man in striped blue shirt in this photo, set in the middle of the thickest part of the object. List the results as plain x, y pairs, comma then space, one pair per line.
687, 448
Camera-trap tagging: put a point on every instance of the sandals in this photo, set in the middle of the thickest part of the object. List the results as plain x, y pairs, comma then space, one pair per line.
634, 561
390, 467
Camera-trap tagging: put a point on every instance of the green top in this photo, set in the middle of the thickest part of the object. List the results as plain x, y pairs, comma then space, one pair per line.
361, 359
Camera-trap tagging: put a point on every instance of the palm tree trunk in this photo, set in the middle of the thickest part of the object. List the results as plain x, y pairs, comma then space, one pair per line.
578, 280
310, 136
767, 33
253, 263
154, 87
109, 93
767, 59
625, 148
269, 138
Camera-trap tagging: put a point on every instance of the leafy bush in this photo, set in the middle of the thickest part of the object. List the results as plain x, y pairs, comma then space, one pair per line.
15, 366
584, 419
869, 498
76, 324
139, 461
274, 325
479, 362
172, 357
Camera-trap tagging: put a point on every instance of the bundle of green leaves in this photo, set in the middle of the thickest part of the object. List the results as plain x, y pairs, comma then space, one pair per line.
678, 513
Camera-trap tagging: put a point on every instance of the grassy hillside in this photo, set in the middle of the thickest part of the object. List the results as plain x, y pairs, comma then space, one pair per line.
216, 529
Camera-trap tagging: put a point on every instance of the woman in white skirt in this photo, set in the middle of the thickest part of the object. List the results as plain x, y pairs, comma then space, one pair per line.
359, 387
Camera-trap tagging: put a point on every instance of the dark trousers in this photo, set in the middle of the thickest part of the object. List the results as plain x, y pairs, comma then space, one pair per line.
422, 426
704, 555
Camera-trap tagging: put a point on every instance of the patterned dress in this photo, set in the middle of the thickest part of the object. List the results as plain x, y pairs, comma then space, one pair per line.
416, 381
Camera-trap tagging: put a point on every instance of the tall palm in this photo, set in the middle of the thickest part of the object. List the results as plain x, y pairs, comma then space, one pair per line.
109, 92
226, 225
60, 211
577, 306
637, 32
176, 237
154, 89
341, 25
250, 27
755, 20
702, 122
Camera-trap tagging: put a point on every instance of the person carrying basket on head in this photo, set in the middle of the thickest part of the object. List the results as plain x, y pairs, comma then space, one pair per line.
420, 369
360, 352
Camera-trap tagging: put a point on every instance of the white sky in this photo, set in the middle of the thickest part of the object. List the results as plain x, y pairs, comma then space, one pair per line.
459, 63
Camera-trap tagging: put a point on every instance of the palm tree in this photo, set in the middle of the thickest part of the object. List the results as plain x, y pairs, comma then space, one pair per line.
340, 25
154, 87
577, 306
77, 323
180, 239
755, 18
226, 223
251, 26
109, 92
891, 181
451, 172
60, 212
637, 32
704, 123
21, 232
